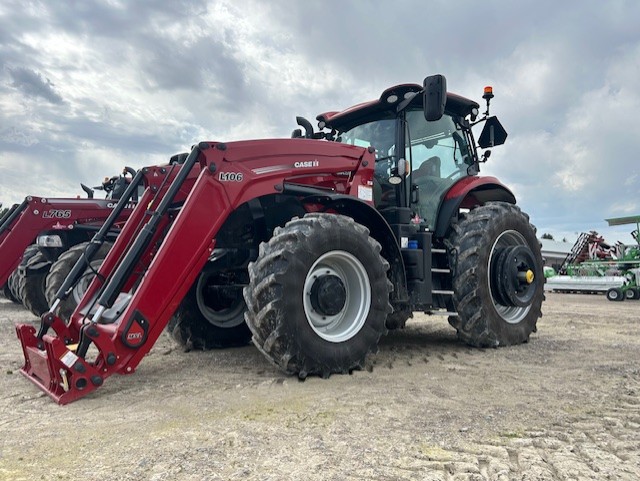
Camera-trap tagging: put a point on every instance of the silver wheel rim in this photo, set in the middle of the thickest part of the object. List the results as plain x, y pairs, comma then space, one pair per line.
511, 314
84, 282
353, 315
226, 317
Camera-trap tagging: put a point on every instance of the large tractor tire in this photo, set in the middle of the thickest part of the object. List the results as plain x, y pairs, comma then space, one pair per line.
11, 285
211, 315
60, 270
16, 279
32, 286
6, 290
318, 296
497, 276
398, 318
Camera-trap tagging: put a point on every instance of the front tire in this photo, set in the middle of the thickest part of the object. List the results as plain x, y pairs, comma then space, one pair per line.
6, 290
33, 287
211, 315
16, 279
318, 296
61, 268
497, 276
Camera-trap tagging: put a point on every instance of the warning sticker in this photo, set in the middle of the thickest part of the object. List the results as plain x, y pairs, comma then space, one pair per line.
365, 193
69, 359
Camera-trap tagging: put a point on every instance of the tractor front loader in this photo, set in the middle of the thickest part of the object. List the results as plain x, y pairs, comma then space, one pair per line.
332, 238
35, 233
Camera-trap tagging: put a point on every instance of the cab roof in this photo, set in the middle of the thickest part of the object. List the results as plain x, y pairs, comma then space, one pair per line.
387, 102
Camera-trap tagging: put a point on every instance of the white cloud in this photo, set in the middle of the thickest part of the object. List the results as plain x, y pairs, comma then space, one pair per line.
138, 82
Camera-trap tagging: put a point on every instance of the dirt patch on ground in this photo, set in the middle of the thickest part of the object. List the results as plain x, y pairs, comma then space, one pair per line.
565, 406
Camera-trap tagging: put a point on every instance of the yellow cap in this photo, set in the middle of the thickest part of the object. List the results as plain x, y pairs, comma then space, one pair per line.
529, 276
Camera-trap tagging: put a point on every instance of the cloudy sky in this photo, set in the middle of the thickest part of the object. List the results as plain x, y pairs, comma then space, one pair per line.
89, 86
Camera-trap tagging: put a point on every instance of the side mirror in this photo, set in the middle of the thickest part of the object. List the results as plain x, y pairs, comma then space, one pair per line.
434, 97
492, 134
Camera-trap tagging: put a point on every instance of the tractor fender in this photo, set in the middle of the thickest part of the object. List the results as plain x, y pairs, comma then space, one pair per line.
470, 192
379, 229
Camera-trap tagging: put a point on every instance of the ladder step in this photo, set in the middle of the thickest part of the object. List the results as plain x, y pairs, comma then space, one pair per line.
439, 251
438, 291
441, 271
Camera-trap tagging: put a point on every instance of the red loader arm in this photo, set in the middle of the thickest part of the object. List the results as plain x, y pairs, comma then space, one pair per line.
229, 175
37, 214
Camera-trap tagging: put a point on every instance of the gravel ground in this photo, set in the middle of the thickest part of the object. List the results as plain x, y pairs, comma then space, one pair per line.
565, 406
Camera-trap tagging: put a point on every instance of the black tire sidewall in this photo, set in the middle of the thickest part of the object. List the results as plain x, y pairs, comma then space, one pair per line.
34, 288
61, 268
189, 327
299, 330
276, 313
492, 329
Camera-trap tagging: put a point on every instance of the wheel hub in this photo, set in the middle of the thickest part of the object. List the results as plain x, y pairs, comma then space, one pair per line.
336, 296
513, 276
328, 295
219, 303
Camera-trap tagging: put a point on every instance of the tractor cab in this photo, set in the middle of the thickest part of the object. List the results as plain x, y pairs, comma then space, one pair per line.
423, 142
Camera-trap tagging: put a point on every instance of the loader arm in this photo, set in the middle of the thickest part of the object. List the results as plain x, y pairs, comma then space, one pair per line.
230, 174
38, 214
156, 181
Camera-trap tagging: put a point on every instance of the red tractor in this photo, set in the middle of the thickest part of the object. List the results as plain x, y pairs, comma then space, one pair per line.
324, 241
41, 239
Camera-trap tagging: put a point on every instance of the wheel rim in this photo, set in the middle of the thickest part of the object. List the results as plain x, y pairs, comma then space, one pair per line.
84, 282
508, 243
629, 294
221, 305
341, 274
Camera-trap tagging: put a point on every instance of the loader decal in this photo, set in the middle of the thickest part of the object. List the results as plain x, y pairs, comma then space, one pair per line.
130, 205
135, 333
230, 177
56, 214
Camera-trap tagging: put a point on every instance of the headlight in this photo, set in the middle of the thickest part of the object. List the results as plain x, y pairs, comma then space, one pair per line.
49, 241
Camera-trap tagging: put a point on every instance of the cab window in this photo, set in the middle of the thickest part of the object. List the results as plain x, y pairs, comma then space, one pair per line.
439, 155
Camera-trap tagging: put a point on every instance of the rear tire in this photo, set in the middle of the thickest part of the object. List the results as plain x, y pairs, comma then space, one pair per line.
497, 276
318, 296
61, 268
211, 315
33, 287
636, 293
